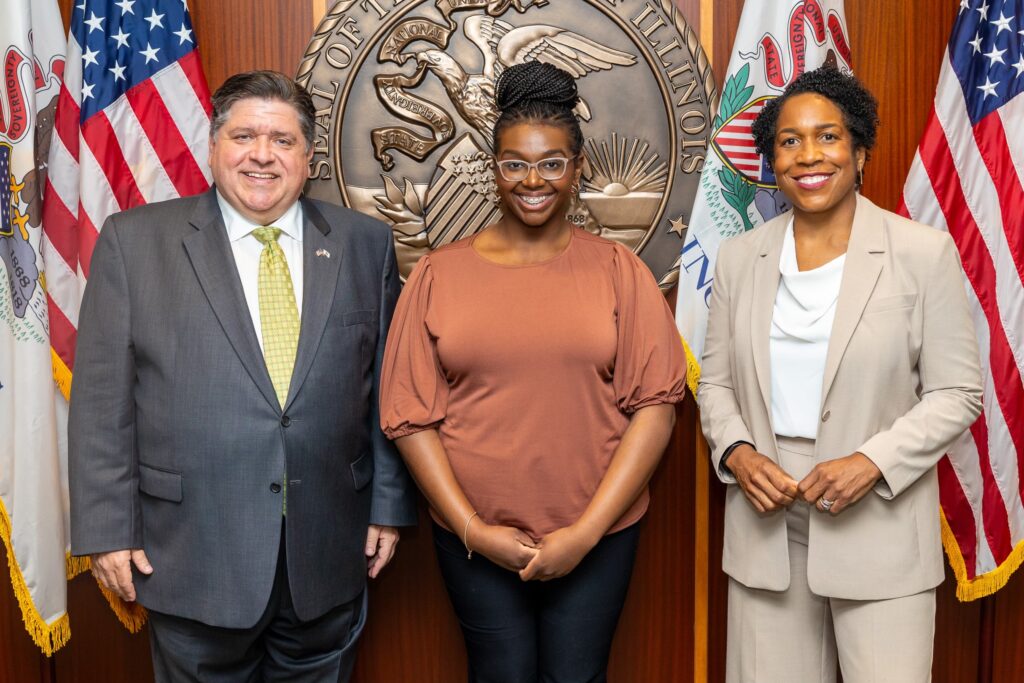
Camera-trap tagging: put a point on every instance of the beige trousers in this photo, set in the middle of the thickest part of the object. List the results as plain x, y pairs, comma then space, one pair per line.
795, 636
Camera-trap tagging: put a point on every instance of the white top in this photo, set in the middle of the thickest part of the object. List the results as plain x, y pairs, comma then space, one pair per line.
805, 307
247, 249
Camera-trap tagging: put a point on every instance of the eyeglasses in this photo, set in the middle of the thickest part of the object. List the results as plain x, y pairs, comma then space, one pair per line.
517, 170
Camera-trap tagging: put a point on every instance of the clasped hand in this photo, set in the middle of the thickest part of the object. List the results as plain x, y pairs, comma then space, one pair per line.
769, 488
552, 557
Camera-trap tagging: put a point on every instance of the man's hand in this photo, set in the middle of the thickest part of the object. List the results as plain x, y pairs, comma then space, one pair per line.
560, 552
114, 572
505, 546
381, 542
842, 482
765, 484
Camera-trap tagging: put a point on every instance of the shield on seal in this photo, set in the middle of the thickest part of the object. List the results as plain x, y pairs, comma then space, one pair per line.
734, 144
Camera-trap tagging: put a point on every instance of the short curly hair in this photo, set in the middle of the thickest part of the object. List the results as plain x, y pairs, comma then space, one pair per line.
858, 105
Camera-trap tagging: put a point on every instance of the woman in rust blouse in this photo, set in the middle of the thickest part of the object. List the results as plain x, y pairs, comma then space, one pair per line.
528, 381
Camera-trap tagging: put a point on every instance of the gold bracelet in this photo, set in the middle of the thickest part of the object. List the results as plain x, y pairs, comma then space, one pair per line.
465, 536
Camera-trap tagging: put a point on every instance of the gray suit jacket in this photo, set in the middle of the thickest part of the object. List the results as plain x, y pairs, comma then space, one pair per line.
177, 441
902, 382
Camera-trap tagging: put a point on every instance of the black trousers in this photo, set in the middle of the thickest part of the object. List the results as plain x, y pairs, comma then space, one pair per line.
280, 647
557, 631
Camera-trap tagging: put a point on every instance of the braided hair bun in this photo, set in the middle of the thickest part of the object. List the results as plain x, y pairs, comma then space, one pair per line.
535, 92
535, 82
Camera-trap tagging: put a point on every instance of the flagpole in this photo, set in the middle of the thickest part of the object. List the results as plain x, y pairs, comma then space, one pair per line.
701, 478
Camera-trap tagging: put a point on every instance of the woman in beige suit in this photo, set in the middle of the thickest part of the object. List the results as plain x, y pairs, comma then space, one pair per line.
840, 364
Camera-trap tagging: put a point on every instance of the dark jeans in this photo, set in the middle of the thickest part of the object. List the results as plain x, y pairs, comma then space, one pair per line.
556, 631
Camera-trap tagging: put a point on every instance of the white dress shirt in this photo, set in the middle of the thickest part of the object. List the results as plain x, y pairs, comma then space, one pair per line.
247, 249
805, 307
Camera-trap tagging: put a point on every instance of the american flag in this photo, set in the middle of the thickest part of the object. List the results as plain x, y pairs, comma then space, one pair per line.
967, 179
132, 127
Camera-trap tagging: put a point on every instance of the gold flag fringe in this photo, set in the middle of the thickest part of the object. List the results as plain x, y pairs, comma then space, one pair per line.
692, 367
61, 374
132, 615
75, 565
989, 582
48, 637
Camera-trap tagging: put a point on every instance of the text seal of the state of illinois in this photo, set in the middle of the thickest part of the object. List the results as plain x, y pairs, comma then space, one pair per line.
404, 97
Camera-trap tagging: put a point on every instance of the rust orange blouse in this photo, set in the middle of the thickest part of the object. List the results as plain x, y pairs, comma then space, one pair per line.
530, 373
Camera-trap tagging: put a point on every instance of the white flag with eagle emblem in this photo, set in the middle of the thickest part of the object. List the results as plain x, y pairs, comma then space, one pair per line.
33, 493
775, 43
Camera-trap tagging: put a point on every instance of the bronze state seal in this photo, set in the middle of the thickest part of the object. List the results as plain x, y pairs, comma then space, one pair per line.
404, 92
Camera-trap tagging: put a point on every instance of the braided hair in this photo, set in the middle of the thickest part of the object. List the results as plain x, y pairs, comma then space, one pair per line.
534, 92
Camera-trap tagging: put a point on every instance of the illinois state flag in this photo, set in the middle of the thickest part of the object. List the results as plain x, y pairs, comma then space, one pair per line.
33, 502
775, 43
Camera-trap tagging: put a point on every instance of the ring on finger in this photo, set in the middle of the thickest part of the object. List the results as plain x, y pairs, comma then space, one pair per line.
825, 503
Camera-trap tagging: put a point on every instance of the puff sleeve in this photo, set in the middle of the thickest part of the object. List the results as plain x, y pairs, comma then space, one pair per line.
414, 391
650, 366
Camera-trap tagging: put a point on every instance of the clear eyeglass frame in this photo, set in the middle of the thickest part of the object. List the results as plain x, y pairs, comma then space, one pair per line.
522, 174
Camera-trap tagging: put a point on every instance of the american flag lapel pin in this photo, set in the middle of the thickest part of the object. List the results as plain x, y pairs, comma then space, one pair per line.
323, 253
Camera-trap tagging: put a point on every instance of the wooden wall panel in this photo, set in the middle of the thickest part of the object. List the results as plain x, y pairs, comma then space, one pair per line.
412, 634
20, 660
252, 34
897, 56
655, 636
957, 630
100, 648
1007, 648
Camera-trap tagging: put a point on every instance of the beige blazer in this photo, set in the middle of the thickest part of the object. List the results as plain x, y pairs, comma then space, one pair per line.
902, 382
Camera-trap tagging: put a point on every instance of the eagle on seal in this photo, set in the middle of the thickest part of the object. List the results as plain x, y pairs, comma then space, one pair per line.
502, 46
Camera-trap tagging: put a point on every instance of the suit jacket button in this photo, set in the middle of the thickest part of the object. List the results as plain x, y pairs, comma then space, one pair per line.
275, 488
826, 416
285, 421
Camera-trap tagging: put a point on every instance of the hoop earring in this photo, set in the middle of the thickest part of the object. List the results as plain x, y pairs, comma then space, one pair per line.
575, 189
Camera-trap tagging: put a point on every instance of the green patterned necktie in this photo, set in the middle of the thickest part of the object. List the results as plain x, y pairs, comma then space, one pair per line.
279, 321
279, 315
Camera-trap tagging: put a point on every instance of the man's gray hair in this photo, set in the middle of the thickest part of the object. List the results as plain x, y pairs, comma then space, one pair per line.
263, 85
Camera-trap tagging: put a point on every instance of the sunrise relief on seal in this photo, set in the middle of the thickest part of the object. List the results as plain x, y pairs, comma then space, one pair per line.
404, 93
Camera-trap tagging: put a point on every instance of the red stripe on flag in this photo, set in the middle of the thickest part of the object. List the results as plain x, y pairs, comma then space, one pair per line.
171, 148
87, 236
959, 515
60, 226
733, 154
995, 151
99, 135
977, 262
66, 121
735, 128
741, 142
194, 72
62, 334
748, 115
993, 511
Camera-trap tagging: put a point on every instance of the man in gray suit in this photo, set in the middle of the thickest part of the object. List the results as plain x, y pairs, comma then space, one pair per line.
226, 463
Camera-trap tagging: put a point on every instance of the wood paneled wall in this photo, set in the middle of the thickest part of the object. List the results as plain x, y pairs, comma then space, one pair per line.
412, 636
